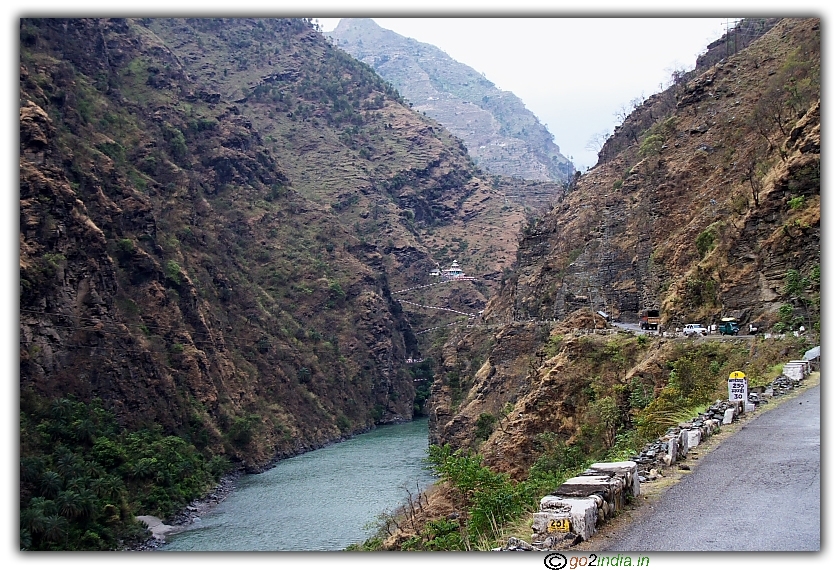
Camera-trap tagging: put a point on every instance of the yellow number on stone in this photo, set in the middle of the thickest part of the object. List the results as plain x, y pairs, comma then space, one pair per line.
559, 525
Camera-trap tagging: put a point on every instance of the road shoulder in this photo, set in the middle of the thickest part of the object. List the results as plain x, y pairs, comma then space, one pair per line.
652, 491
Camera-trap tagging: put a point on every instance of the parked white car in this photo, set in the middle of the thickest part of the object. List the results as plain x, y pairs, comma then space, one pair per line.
695, 329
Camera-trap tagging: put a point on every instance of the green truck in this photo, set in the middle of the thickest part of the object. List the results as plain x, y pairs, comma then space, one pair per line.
728, 326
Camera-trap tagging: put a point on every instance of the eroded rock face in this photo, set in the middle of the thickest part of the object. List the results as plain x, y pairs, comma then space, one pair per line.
678, 219
626, 238
168, 268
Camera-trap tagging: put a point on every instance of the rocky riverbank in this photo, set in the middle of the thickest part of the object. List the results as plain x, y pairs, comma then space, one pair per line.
184, 518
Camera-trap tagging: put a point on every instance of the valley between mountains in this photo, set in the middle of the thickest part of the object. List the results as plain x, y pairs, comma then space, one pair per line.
232, 238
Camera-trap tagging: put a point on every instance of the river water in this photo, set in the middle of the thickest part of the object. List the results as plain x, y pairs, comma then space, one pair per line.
326, 499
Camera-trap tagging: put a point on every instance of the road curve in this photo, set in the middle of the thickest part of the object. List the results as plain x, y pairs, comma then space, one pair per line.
758, 491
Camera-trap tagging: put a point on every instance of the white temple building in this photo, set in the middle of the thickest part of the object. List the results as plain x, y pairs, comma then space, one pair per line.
454, 271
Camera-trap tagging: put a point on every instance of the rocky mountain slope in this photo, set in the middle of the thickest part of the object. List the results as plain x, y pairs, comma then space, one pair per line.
501, 134
350, 143
214, 216
708, 207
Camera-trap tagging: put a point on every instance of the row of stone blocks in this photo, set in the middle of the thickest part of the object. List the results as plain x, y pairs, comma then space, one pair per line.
688, 435
580, 504
797, 369
583, 502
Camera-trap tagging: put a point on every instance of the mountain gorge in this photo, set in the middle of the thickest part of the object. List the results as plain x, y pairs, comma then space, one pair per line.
219, 220
713, 211
501, 134
214, 217
169, 267
704, 204
174, 192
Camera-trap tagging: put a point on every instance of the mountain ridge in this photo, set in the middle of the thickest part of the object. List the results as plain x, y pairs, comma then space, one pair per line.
225, 235
501, 134
706, 205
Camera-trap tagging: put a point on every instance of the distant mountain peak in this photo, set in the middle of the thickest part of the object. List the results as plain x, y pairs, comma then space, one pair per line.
501, 134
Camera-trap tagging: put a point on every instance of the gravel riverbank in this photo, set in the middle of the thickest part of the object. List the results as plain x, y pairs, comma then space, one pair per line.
190, 514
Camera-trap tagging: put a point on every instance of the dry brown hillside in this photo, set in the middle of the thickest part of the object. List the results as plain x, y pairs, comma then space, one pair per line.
214, 215
347, 141
711, 210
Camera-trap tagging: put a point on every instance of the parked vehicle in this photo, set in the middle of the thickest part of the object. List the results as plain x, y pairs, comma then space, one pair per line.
728, 326
649, 319
695, 329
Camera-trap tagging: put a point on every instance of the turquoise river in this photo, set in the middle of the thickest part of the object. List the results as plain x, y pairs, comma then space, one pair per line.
326, 499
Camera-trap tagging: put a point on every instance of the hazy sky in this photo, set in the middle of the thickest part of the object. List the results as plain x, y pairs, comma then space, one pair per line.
574, 74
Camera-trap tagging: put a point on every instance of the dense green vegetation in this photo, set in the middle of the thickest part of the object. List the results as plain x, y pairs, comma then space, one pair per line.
490, 499
83, 479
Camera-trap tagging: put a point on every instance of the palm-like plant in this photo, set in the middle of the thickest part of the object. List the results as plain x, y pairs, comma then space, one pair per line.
88, 503
30, 469
68, 464
51, 484
55, 528
62, 409
107, 487
85, 430
33, 520
92, 469
69, 504
25, 539
144, 468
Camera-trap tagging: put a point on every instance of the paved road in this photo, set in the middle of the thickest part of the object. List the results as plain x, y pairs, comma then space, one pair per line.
634, 327
758, 491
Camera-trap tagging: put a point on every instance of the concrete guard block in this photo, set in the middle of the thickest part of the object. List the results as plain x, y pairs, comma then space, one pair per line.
694, 437
794, 370
582, 514
712, 425
682, 444
671, 454
585, 485
594, 484
728, 416
628, 471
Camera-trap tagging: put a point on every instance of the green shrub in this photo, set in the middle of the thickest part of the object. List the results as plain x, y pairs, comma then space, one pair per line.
796, 202
113, 150
83, 478
705, 241
125, 246
377, 412
484, 426
492, 498
343, 423
651, 145
177, 142
243, 428
173, 271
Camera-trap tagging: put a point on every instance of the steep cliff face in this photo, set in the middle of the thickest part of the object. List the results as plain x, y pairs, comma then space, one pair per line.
671, 221
713, 210
209, 237
501, 134
348, 142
